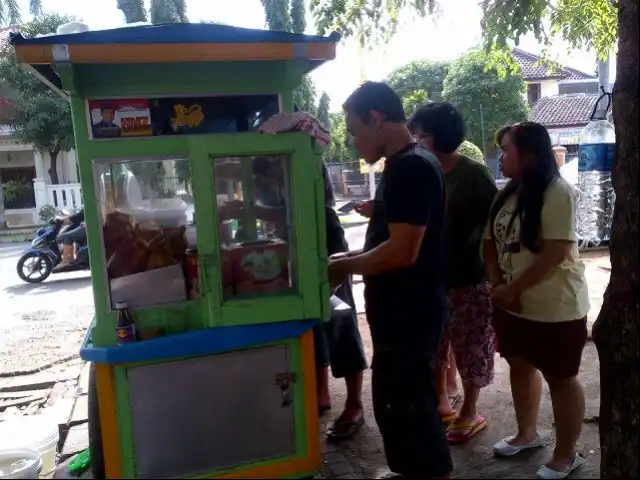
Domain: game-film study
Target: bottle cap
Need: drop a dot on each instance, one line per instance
(121, 305)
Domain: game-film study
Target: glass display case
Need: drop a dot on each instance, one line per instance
(256, 234)
(146, 211)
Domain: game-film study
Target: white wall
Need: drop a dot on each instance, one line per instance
(67, 172)
(548, 88)
(66, 166)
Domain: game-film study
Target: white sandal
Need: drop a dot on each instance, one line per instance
(551, 474)
(504, 449)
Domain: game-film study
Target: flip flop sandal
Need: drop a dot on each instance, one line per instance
(449, 418)
(344, 429)
(461, 433)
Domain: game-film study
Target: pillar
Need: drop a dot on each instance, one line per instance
(560, 152)
(40, 182)
(41, 171)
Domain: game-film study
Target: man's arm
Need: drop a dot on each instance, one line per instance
(410, 189)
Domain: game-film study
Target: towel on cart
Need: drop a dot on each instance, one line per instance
(297, 122)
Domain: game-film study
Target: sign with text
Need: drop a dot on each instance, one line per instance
(565, 136)
(120, 118)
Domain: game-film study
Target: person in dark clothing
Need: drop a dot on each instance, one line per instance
(468, 334)
(338, 342)
(402, 264)
(77, 233)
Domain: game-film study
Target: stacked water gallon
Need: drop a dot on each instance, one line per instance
(595, 191)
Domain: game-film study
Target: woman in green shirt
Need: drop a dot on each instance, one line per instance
(468, 333)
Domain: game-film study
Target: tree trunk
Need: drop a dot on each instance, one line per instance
(616, 332)
(53, 169)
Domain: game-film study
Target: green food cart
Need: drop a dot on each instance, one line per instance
(213, 235)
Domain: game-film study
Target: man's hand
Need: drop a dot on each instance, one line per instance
(365, 208)
(338, 271)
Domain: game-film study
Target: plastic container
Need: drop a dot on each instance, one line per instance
(19, 464)
(37, 432)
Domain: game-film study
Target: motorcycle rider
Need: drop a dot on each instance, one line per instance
(77, 233)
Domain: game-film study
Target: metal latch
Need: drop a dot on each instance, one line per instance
(284, 381)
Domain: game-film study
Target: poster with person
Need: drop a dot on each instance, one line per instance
(120, 118)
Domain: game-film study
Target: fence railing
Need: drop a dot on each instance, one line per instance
(347, 180)
(68, 195)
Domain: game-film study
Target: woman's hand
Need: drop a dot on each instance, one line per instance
(506, 297)
(365, 208)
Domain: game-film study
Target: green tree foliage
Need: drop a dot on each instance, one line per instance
(10, 13)
(160, 11)
(471, 151)
(371, 21)
(133, 10)
(591, 24)
(323, 110)
(424, 76)
(168, 11)
(341, 148)
(486, 99)
(414, 100)
(40, 117)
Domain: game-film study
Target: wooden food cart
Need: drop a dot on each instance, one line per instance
(221, 382)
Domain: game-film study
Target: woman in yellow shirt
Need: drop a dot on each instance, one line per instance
(540, 294)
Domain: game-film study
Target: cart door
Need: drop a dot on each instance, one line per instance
(262, 256)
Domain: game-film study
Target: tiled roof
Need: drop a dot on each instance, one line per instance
(534, 69)
(563, 110)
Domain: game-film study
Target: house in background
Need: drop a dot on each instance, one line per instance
(23, 164)
(561, 98)
(546, 80)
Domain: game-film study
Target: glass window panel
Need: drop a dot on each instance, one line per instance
(254, 213)
(148, 230)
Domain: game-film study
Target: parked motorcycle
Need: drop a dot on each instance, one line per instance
(45, 253)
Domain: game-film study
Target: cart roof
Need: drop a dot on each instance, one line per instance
(167, 43)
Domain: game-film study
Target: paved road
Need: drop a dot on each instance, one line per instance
(40, 323)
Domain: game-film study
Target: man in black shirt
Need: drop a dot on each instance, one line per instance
(402, 266)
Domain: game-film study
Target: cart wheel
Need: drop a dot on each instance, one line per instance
(95, 434)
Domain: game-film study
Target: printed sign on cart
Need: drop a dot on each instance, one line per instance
(116, 118)
(120, 118)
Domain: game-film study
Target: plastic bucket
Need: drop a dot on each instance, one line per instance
(19, 464)
(37, 432)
